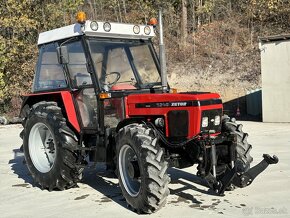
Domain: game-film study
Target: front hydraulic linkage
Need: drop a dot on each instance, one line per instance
(247, 178)
(243, 179)
(231, 176)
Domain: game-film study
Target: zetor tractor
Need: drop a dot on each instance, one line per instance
(100, 95)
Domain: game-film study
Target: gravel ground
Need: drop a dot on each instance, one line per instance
(100, 196)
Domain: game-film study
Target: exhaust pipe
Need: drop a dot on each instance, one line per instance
(162, 55)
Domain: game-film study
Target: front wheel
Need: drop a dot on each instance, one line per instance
(141, 168)
(243, 148)
(244, 158)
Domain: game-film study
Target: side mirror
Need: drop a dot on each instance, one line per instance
(62, 55)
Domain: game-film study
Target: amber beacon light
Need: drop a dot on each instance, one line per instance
(152, 21)
(81, 17)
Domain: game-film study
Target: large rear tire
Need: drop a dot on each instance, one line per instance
(141, 168)
(48, 145)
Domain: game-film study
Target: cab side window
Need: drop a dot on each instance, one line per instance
(77, 65)
(49, 73)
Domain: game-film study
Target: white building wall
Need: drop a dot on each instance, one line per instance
(275, 66)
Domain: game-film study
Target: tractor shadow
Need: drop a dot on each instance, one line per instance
(19, 168)
(107, 184)
(186, 179)
(97, 178)
(104, 182)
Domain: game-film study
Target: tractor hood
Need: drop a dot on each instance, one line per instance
(173, 100)
(179, 110)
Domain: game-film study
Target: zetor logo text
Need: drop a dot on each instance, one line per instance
(178, 104)
(171, 104)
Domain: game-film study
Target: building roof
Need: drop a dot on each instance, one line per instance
(275, 38)
(117, 30)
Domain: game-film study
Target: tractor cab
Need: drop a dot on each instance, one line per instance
(96, 61)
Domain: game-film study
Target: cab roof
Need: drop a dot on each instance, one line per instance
(98, 29)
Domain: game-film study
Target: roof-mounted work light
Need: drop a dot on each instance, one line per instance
(94, 25)
(136, 29)
(107, 26)
(147, 30)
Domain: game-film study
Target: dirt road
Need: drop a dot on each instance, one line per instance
(100, 196)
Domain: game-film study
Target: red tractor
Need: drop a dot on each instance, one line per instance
(100, 94)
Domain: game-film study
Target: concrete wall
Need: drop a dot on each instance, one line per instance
(275, 66)
(254, 102)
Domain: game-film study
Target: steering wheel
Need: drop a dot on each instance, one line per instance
(118, 76)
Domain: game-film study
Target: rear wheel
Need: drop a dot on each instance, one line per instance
(141, 168)
(49, 148)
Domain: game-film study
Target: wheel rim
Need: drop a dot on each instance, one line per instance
(129, 172)
(42, 148)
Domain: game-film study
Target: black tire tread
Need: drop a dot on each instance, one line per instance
(69, 173)
(243, 147)
(156, 178)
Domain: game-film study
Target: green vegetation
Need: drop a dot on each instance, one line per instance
(203, 36)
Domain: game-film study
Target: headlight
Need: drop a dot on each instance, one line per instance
(217, 120)
(94, 25)
(204, 122)
(159, 122)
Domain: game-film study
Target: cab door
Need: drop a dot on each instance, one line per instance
(82, 86)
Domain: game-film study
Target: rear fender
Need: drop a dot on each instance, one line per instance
(64, 100)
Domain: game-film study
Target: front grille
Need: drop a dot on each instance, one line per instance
(211, 115)
(178, 123)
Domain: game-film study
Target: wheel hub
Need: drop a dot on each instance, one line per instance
(50, 146)
(129, 170)
(42, 148)
(133, 169)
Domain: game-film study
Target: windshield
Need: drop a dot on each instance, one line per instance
(124, 65)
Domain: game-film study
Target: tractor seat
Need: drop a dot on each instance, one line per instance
(123, 87)
(82, 79)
